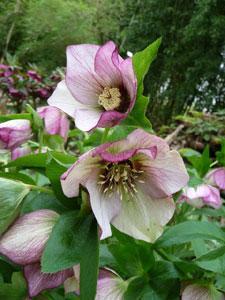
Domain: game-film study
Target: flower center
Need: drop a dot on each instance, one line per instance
(110, 98)
(120, 177)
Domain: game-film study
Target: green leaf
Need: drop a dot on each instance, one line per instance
(66, 244)
(12, 194)
(36, 200)
(15, 117)
(141, 63)
(18, 176)
(54, 170)
(37, 121)
(202, 163)
(16, 290)
(214, 254)
(89, 264)
(29, 161)
(188, 231)
(54, 141)
(220, 155)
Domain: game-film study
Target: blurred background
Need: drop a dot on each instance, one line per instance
(185, 83)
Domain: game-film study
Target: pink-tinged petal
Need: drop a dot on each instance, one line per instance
(13, 133)
(191, 196)
(19, 152)
(79, 173)
(38, 281)
(198, 292)
(104, 207)
(141, 139)
(87, 119)
(52, 118)
(110, 118)
(25, 240)
(106, 65)
(110, 286)
(63, 99)
(143, 217)
(164, 175)
(129, 80)
(64, 127)
(217, 177)
(81, 78)
(213, 198)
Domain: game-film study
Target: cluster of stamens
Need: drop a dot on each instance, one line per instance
(110, 98)
(121, 178)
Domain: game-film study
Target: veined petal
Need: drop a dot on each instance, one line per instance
(87, 119)
(52, 117)
(143, 217)
(25, 240)
(104, 207)
(110, 118)
(63, 99)
(198, 292)
(64, 126)
(164, 175)
(105, 66)
(81, 78)
(38, 281)
(129, 80)
(217, 177)
(79, 173)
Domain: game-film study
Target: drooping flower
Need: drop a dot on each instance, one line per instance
(100, 86)
(56, 122)
(130, 183)
(201, 292)
(216, 177)
(109, 285)
(13, 133)
(20, 151)
(202, 195)
(24, 243)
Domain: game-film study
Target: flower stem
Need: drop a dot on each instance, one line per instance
(40, 189)
(105, 134)
(40, 135)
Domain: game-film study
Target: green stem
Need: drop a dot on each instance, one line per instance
(85, 205)
(105, 134)
(40, 189)
(40, 135)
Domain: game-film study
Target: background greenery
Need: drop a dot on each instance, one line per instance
(190, 68)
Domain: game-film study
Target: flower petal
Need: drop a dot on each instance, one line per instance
(143, 217)
(219, 177)
(198, 292)
(63, 99)
(81, 78)
(110, 118)
(24, 242)
(52, 118)
(104, 207)
(106, 61)
(87, 119)
(79, 173)
(164, 175)
(129, 80)
(38, 281)
(213, 198)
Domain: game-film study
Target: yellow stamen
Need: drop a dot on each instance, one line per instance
(110, 98)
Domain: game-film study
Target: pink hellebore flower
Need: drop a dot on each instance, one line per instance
(100, 86)
(202, 195)
(24, 243)
(109, 285)
(216, 177)
(19, 152)
(56, 122)
(13, 133)
(130, 183)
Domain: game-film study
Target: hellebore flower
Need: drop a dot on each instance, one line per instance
(13, 133)
(130, 183)
(24, 243)
(19, 152)
(34, 75)
(200, 292)
(100, 86)
(216, 177)
(56, 122)
(109, 285)
(202, 195)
